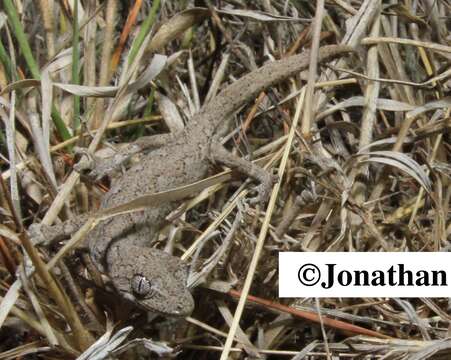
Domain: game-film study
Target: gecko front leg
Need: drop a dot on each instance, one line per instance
(219, 154)
(96, 167)
(41, 234)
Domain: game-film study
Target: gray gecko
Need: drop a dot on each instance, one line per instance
(151, 278)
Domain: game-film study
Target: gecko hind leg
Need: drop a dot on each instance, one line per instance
(219, 154)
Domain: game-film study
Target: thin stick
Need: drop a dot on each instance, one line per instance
(308, 114)
(262, 235)
(390, 40)
(309, 315)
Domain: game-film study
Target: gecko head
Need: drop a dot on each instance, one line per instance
(153, 280)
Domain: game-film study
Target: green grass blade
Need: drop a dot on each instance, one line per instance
(22, 40)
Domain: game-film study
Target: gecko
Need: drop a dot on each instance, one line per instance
(119, 246)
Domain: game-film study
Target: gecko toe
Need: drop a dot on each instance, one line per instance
(264, 190)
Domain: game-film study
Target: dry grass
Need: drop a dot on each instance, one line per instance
(361, 146)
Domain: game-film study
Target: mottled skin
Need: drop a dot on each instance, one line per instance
(119, 246)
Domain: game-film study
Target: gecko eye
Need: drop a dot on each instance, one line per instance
(141, 286)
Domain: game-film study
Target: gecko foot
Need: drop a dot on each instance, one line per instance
(264, 190)
(36, 234)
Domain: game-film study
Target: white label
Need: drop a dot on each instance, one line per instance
(364, 274)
